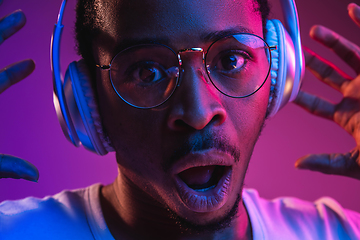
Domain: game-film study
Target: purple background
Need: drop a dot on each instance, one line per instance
(29, 128)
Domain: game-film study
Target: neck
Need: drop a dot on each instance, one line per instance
(132, 214)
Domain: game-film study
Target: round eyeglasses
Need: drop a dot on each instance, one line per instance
(146, 75)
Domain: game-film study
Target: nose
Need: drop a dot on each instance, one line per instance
(196, 103)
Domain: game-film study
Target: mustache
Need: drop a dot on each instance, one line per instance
(200, 143)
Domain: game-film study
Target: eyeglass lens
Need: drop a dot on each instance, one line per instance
(146, 75)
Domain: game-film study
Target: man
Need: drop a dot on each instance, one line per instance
(170, 156)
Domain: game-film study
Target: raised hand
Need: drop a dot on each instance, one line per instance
(346, 113)
(10, 166)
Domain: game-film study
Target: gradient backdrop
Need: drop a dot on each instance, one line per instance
(29, 127)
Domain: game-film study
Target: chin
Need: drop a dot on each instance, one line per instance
(203, 223)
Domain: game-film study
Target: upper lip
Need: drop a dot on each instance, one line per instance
(209, 157)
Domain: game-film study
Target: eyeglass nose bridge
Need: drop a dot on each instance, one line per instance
(200, 50)
(190, 50)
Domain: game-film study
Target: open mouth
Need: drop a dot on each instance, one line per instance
(204, 178)
(204, 188)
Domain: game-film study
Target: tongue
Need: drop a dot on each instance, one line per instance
(197, 175)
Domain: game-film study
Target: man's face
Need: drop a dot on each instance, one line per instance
(191, 153)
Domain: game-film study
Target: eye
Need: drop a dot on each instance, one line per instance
(147, 72)
(231, 61)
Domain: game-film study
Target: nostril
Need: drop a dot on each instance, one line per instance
(180, 124)
(218, 119)
(197, 123)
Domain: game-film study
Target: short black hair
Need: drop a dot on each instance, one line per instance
(87, 28)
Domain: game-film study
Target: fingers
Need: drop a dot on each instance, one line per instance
(338, 164)
(325, 71)
(15, 72)
(346, 50)
(10, 24)
(13, 167)
(315, 105)
(354, 13)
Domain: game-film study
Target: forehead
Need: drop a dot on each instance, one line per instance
(180, 22)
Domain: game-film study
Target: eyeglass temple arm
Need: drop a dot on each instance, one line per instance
(272, 48)
(107, 67)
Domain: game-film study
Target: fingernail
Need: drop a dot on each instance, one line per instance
(356, 8)
(31, 178)
(316, 31)
(17, 14)
(31, 173)
(13, 17)
(350, 6)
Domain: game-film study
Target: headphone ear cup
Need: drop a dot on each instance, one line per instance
(82, 105)
(282, 66)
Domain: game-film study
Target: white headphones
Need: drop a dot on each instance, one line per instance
(76, 106)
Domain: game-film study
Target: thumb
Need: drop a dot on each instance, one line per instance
(354, 12)
(338, 164)
(13, 167)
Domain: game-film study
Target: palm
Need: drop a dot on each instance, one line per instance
(347, 113)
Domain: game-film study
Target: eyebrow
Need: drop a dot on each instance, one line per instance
(213, 36)
(205, 37)
(129, 42)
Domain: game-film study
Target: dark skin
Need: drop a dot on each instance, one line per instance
(131, 186)
(137, 200)
(11, 166)
(144, 190)
(346, 113)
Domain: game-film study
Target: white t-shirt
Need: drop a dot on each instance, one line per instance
(292, 218)
(77, 215)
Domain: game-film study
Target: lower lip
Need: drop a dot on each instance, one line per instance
(208, 200)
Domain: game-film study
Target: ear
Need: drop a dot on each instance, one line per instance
(83, 108)
(282, 66)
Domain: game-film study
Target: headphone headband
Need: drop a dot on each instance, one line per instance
(61, 108)
(293, 27)
(75, 103)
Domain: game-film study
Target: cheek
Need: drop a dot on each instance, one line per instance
(248, 116)
(128, 128)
